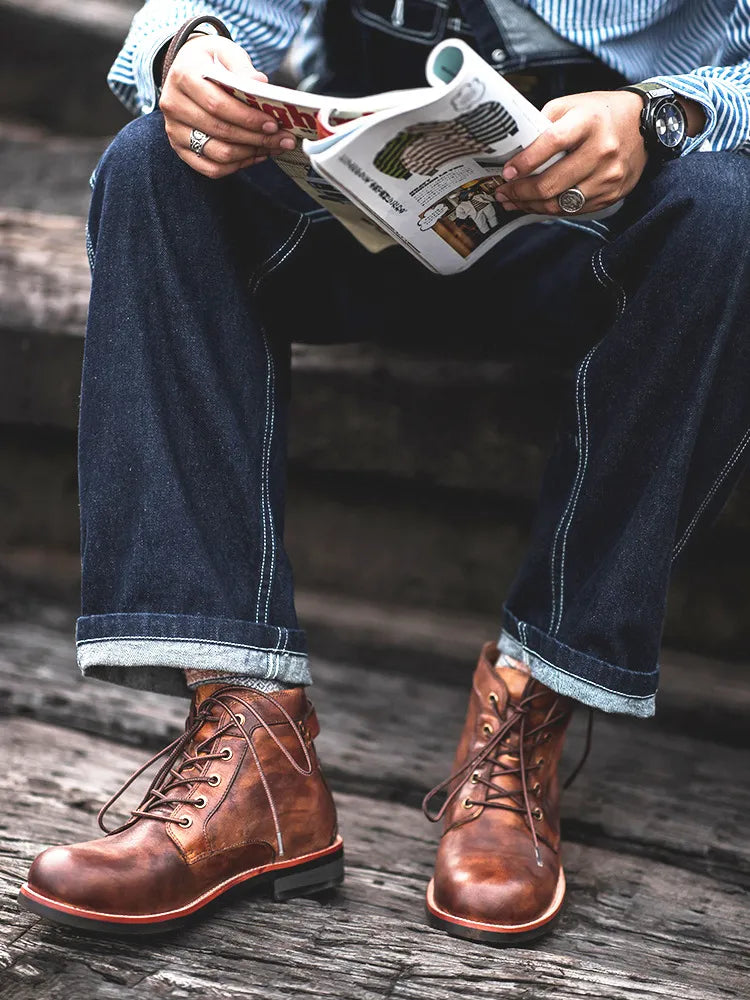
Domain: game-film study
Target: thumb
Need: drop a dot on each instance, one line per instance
(554, 110)
(234, 58)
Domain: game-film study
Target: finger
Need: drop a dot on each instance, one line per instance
(561, 136)
(216, 171)
(236, 59)
(596, 194)
(190, 115)
(564, 174)
(220, 105)
(215, 149)
(554, 110)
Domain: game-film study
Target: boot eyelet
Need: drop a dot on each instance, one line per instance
(492, 698)
(475, 777)
(185, 822)
(487, 729)
(537, 813)
(546, 737)
(241, 718)
(536, 789)
(214, 780)
(540, 762)
(201, 802)
(467, 804)
(226, 753)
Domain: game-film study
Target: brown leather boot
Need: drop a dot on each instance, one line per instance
(239, 800)
(498, 876)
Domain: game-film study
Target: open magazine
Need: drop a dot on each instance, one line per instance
(416, 167)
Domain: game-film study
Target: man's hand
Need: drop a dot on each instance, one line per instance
(606, 155)
(240, 136)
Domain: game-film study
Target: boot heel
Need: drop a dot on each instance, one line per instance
(309, 879)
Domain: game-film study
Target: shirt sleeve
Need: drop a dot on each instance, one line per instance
(264, 28)
(722, 89)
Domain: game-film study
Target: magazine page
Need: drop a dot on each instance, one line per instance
(429, 174)
(298, 112)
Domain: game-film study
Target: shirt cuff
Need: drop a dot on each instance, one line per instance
(144, 69)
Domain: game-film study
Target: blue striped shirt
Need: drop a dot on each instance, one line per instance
(700, 48)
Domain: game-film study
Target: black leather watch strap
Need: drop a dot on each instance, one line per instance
(184, 33)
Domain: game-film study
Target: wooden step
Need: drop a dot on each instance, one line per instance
(633, 928)
(646, 791)
(56, 55)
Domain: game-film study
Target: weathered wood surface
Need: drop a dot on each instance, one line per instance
(645, 791)
(44, 280)
(688, 930)
(45, 172)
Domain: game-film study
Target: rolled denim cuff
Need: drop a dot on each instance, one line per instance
(150, 651)
(578, 675)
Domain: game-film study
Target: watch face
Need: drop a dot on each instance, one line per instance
(669, 124)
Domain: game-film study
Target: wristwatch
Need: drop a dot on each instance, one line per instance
(663, 120)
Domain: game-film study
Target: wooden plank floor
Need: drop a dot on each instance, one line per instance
(657, 854)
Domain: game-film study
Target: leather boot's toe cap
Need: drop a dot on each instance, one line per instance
(506, 891)
(57, 874)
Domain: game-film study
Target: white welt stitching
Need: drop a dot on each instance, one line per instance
(731, 462)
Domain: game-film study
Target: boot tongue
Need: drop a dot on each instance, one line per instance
(206, 691)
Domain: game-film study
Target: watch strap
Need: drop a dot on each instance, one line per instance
(648, 90)
(185, 32)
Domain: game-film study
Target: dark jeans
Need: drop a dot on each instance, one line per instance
(198, 287)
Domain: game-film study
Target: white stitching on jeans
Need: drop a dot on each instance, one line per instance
(731, 462)
(255, 282)
(582, 420)
(622, 299)
(268, 525)
(578, 491)
(272, 566)
(89, 248)
(260, 274)
(179, 638)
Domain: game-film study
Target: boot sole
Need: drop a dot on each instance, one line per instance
(500, 935)
(304, 876)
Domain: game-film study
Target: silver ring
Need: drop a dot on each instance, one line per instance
(198, 140)
(571, 201)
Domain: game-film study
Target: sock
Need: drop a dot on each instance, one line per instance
(195, 678)
(507, 661)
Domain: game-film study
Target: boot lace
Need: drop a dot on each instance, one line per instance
(513, 741)
(181, 758)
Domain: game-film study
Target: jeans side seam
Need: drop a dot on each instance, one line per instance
(272, 404)
(730, 463)
(255, 283)
(580, 393)
(266, 268)
(90, 248)
(584, 451)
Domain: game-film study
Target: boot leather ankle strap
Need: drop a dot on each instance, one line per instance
(184, 33)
